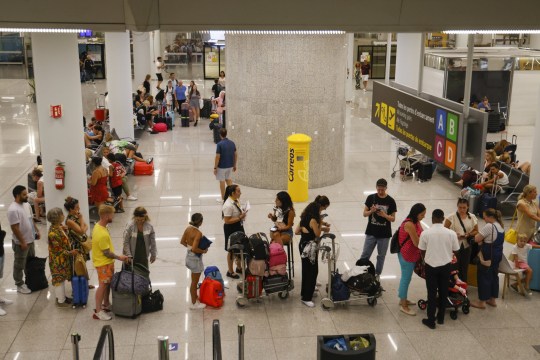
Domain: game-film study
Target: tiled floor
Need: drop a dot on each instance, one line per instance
(275, 329)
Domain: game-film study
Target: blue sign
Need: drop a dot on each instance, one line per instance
(173, 347)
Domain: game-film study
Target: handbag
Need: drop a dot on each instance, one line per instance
(79, 266)
(201, 104)
(83, 240)
(470, 239)
(153, 301)
(511, 234)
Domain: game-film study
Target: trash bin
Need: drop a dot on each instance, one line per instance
(298, 167)
(366, 353)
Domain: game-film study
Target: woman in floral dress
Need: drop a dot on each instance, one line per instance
(60, 256)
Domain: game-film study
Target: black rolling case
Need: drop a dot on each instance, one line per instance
(206, 111)
(425, 171)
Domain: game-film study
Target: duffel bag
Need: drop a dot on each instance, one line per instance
(128, 281)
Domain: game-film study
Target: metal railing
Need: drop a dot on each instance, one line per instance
(216, 341)
(106, 342)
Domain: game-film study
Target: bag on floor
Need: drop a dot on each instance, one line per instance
(152, 302)
(340, 292)
(35, 273)
(278, 256)
(79, 285)
(257, 267)
(160, 127)
(258, 247)
(213, 273)
(142, 168)
(211, 293)
(129, 281)
(126, 304)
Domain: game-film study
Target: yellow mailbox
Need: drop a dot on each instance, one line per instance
(298, 167)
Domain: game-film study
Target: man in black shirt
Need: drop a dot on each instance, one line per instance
(380, 208)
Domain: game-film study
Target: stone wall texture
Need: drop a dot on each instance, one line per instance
(278, 85)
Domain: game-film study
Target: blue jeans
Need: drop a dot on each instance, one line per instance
(382, 248)
(407, 269)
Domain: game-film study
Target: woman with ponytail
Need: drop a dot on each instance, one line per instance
(491, 239)
(191, 239)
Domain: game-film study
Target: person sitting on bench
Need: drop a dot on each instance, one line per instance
(36, 198)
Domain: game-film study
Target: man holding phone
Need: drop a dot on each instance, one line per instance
(380, 209)
(24, 234)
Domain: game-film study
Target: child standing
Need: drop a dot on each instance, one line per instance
(520, 252)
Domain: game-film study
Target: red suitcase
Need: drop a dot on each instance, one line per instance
(160, 127)
(142, 168)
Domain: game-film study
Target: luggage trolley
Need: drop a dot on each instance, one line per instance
(408, 162)
(272, 284)
(329, 253)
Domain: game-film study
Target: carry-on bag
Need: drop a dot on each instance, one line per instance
(211, 293)
(126, 304)
(135, 280)
(35, 273)
(79, 285)
(153, 301)
(213, 273)
(142, 168)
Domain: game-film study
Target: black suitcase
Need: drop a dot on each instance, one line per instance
(35, 273)
(425, 171)
(206, 111)
(215, 130)
(486, 201)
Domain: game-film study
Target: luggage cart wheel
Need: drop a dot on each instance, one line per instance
(283, 294)
(241, 301)
(393, 175)
(372, 301)
(422, 304)
(327, 304)
(453, 314)
(465, 309)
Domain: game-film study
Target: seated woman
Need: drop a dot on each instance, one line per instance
(96, 139)
(283, 218)
(36, 198)
(470, 176)
(127, 148)
(495, 177)
(98, 183)
(525, 166)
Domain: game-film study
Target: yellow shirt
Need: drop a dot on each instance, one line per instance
(101, 240)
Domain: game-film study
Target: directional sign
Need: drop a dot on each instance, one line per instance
(173, 347)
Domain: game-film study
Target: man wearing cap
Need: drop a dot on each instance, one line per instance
(380, 209)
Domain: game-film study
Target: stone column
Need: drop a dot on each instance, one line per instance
(351, 51)
(119, 83)
(142, 59)
(56, 71)
(280, 84)
(461, 40)
(409, 48)
(535, 159)
(534, 41)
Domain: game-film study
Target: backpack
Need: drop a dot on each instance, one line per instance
(213, 272)
(364, 283)
(278, 256)
(340, 292)
(35, 273)
(211, 293)
(257, 247)
(257, 267)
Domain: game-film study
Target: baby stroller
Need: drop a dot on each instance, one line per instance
(457, 290)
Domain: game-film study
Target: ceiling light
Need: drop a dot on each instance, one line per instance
(492, 31)
(34, 30)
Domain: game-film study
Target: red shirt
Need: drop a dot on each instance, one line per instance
(117, 174)
(408, 250)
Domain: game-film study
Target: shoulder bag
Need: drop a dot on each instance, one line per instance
(470, 239)
(511, 234)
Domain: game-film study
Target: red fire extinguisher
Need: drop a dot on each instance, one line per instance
(59, 175)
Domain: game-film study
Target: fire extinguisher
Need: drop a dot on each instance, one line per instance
(59, 175)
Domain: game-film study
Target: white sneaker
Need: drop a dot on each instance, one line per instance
(197, 306)
(5, 301)
(308, 303)
(102, 315)
(2, 312)
(132, 198)
(23, 289)
(219, 200)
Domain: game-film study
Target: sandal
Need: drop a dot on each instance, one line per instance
(491, 303)
(233, 275)
(477, 305)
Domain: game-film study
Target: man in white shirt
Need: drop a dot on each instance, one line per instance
(438, 245)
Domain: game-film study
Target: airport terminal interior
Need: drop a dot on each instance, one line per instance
(183, 183)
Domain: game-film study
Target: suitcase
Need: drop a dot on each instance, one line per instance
(275, 283)
(206, 111)
(142, 168)
(35, 273)
(533, 259)
(425, 171)
(169, 119)
(160, 127)
(486, 201)
(126, 304)
(79, 284)
(473, 203)
(215, 130)
(254, 286)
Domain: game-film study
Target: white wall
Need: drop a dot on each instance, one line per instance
(433, 81)
(409, 46)
(524, 98)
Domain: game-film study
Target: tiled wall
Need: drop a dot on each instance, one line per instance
(280, 84)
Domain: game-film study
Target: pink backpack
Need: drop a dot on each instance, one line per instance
(277, 255)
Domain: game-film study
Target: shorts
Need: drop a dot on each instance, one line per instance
(159, 76)
(117, 191)
(105, 273)
(365, 77)
(523, 265)
(194, 263)
(224, 174)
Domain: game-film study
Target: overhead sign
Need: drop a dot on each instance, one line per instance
(425, 126)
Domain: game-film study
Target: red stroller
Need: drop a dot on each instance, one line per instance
(457, 290)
